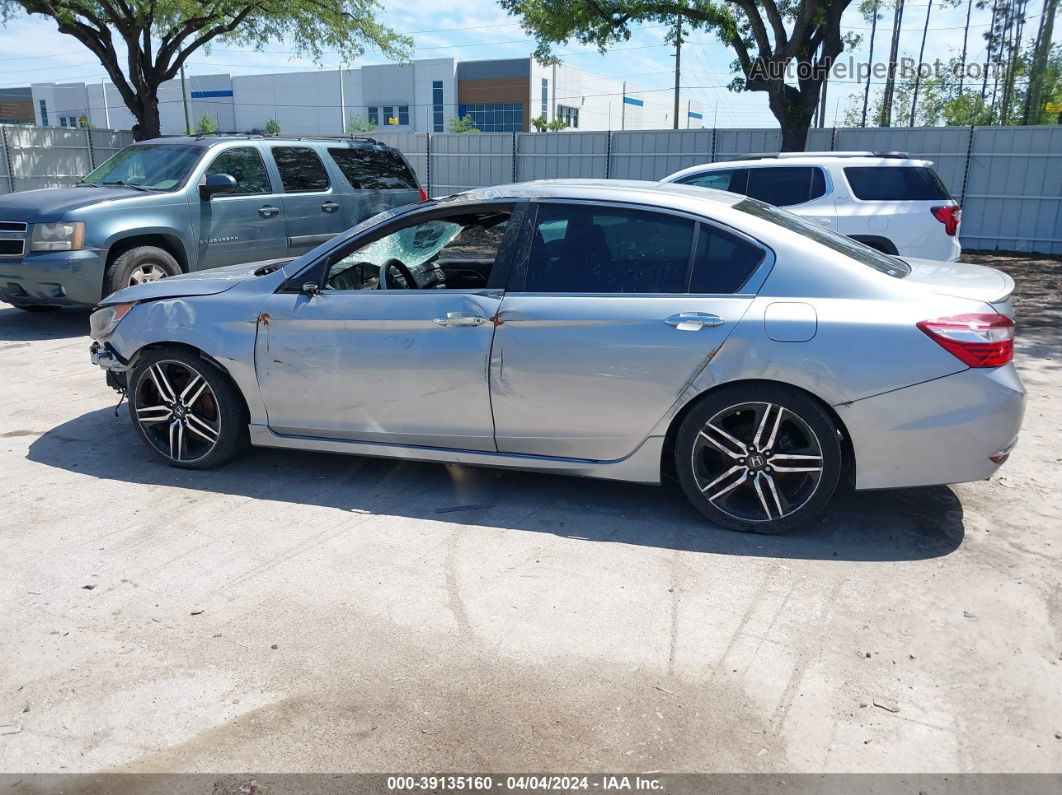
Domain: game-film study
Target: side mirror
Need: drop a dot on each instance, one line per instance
(216, 184)
(311, 289)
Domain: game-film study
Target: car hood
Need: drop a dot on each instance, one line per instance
(961, 279)
(51, 204)
(207, 282)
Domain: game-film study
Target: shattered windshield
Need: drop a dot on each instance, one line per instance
(413, 245)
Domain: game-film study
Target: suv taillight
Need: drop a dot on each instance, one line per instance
(423, 194)
(976, 340)
(949, 215)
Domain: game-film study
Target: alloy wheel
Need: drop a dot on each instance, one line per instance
(177, 411)
(148, 272)
(757, 462)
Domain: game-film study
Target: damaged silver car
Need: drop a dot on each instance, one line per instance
(623, 330)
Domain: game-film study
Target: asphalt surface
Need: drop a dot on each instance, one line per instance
(308, 612)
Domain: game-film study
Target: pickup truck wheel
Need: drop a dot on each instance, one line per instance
(137, 266)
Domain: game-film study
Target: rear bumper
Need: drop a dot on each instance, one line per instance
(60, 278)
(941, 431)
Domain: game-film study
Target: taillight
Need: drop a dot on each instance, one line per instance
(976, 340)
(423, 194)
(949, 215)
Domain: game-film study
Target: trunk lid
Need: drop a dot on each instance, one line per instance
(963, 280)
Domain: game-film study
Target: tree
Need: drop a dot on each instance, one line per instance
(207, 125)
(156, 37)
(462, 124)
(767, 36)
(272, 127)
(358, 124)
(1038, 71)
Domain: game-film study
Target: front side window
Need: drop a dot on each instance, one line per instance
(301, 169)
(245, 165)
(373, 169)
(451, 253)
(884, 263)
(784, 186)
(587, 249)
(732, 180)
(156, 167)
(896, 183)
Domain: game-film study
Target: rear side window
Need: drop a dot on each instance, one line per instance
(300, 169)
(732, 180)
(373, 169)
(895, 183)
(786, 186)
(583, 249)
(244, 164)
(723, 261)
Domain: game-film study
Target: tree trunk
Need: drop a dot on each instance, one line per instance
(148, 123)
(885, 119)
(794, 110)
(1039, 64)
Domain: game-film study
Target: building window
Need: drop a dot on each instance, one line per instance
(403, 115)
(569, 115)
(374, 115)
(495, 116)
(44, 113)
(437, 106)
(545, 98)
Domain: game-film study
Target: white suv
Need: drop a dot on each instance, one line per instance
(888, 201)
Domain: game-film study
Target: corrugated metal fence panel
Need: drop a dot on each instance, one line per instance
(653, 154)
(575, 155)
(945, 146)
(107, 143)
(1014, 190)
(820, 139)
(736, 144)
(47, 157)
(461, 161)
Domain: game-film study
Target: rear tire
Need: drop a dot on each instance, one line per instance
(137, 266)
(759, 458)
(186, 410)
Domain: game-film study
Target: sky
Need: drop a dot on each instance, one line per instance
(33, 51)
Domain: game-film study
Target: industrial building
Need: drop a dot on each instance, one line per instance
(420, 96)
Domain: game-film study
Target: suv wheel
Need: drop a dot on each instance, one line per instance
(138, 266)
(761, 459)
(186, 411)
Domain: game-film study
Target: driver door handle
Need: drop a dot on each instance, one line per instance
(458, 319)
(329, 207)
(694, 321)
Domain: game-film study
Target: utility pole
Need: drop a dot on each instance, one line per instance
(918, 67)
(822, 95)
(678, 66)
(342, 103)
(870, 64)
(890, 82)
(106, 107)
(965, 38)
(1039, 64)
(184, 98)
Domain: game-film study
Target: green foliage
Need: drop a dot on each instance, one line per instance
(358, 124)
(464, 124)
(207, 125)
(540, 124)
(272, 127)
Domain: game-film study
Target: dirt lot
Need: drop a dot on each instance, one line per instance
(301, 612)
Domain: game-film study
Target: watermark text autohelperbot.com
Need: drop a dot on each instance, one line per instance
(848, 68)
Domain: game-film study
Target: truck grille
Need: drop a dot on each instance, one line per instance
(13, 238)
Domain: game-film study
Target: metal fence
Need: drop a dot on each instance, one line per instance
(1009, 179)
(53, 157)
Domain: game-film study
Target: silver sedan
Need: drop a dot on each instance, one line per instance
(623, 330)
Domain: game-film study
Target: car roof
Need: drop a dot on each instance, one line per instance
(207, 141)
(879, 161)
(661, 194)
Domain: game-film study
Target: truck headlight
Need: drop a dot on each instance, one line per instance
(61, 236)
(103, 321)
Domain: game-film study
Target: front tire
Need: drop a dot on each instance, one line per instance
(138, 266)
(758, 458)
(186, 411)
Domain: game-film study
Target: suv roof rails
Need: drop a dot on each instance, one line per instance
(787, 155)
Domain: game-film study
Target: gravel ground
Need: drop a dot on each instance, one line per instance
(304, 612)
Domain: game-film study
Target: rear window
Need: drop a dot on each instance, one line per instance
(374, 169)
(895, 183)
(884, 263)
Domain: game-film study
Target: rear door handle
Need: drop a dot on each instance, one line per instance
(694, 321)
(268, 211)
(329, 207)
(458, 319)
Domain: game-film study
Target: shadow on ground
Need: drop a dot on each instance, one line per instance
(910, 524)
(17, 325)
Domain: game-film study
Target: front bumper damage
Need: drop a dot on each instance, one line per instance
(115, 366)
